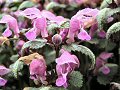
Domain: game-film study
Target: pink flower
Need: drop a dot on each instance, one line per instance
(47, 14)
(31, 34)
(83, 19)
(105, 55)
(40, 25)
(40, 20)
(19, 44)
(38, 69)
(11, 25)
(74, 27)
(4, 70)
(2, 82)
(30, 13)
(102, 34)
(105, 70)
(65, 64)
(83, 35)
(101, 60)
(93, 29)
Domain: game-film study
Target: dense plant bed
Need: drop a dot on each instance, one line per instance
(59, 45)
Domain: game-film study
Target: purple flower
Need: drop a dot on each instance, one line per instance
(4, 70)
(2, 82)
(83, 35)
(105, 70)
(101, 60)
(11, 25)
(65, 64)
(64, 33)
(38, 70)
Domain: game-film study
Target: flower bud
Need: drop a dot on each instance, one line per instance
(57, 39)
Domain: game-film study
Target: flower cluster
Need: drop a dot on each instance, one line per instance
(53, 43)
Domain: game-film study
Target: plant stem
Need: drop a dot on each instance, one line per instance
(57, 51)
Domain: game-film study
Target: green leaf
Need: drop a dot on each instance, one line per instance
(113, 68)
(52, 28)
(26, 4)
(94, 41)
(14, 57)
(83, 50)
(105, 3)
(16, 67)
(65, 24)
(53, 5)
(36, 44)
(44, 88)
(113, 29)
(76, 79)
(102, 79)
(49, 54)
(102, 17)
(104, 14)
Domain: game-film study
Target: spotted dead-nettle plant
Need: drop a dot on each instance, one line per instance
(59, 44)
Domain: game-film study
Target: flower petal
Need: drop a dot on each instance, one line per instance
(102, 34)
(31, 13)
(83, 35)
(105, 55)
(63, 59)
(31, 34)
(2, 82)
(4, 70)
(105, 70)
(41, 24)
(7, 32)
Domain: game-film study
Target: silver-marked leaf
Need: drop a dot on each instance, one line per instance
(53, 5)
(36, 44)
(76, 79)
(26, 4)
(113, 29)
(16, 67)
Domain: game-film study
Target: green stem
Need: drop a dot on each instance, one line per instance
(57, 51)
(119, 55)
